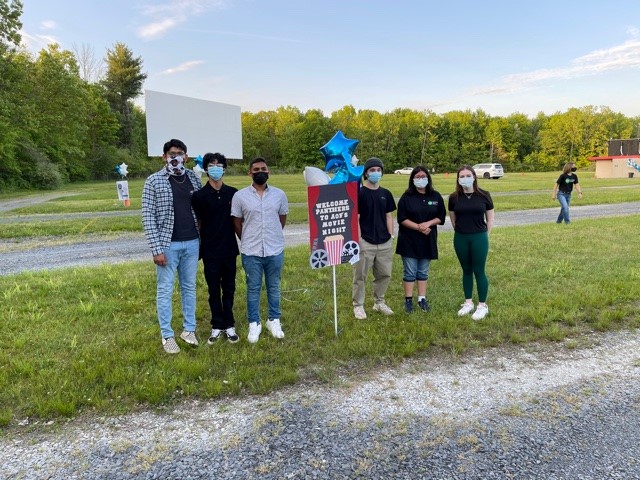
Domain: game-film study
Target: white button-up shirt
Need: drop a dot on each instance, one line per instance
(262, 234)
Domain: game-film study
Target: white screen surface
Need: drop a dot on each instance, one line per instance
(204, 126)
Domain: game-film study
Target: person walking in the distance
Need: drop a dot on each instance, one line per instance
(563, 188)
(420, 211)
(375, 205)
(472, 213)
(259, 215)
(218, 245)
(171, 232)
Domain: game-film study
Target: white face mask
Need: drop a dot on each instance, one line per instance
(420, 182)
(465, 182)
(178, 168)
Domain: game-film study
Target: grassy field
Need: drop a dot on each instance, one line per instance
(513, 192)
(86, 340)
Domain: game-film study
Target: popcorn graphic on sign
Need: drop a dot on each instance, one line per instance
(333, 245)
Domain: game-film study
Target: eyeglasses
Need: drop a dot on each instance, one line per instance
(176, 154)
(423, 176)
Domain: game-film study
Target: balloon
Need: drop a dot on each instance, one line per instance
(198, 161)
(122, 169)
(338, 155)
(314, 176)
(198, 170)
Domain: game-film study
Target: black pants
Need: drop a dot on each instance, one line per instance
(221, 277)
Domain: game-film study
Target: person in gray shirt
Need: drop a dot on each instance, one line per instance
(256, 211)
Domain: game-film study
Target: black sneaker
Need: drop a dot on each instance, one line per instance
(231, 334)
(424, 305)
(408, 305)
(215, 335)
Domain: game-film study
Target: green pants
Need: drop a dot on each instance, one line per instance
(472, 250)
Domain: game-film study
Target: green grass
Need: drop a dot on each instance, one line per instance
(513, 192)
(86, 340)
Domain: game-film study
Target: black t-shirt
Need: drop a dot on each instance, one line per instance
(566, 181)
(184, 227)
(373, 206)
(470, 211)
(213, 210)
(419, 208)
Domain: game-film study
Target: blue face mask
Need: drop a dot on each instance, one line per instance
(466, 181)
(374, 177)
(215, 172)
(420, 182)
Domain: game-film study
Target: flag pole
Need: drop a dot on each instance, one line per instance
(335, 301)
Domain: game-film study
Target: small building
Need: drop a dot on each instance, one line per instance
(622, 160)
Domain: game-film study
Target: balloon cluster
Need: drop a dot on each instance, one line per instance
(122, 169)
(339, 159)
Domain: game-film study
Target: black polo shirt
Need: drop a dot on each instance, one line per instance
(213, 210)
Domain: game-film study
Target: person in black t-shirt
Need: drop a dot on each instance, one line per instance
(471, 212)
(563, 188)
(375, 205)
(420, 210)
(171, 232)
(218, 245)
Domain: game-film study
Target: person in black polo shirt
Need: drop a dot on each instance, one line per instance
(375, 205)
(218, 245)
(471, 212)
(420, 210)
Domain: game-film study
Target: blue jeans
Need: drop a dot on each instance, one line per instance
(415, 269)
(254, 268)
(565, 200)
(182, 257)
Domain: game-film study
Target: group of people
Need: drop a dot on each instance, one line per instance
(185, 221)
(420, 210)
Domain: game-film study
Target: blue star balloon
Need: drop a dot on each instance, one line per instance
(198, 160)
(121, 169)
(337, 154)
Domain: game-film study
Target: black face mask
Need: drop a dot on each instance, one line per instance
(574, 169)
(260, 178)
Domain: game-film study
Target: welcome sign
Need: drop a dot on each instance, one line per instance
(333, 224)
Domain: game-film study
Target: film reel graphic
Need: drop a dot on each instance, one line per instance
(319, 258)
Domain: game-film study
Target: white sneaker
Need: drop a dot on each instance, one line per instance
(382, 308)
(216, 333)
(465, 309)
(274, 327)
(254, 332)
(359, 313)
(190, 338)
(231, 334)
(170, 345)
(480, 312)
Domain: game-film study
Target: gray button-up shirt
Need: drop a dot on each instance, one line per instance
(262, 234)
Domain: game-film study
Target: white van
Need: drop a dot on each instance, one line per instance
(488, 170)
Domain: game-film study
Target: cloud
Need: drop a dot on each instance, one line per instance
(37, 42)
(48, 25)
(619, 57)
(169, 15)
(182, 67)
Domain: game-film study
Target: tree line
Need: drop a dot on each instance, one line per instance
(67, 116)
(291, 139)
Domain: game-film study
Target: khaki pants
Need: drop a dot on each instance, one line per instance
(380, 259)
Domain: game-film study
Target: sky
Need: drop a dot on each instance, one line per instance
(499, 56)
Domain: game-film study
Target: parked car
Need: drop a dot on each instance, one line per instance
(404, 171)
(488, 170)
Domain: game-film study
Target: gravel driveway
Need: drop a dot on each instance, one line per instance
(16, 257)
(532, 412)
